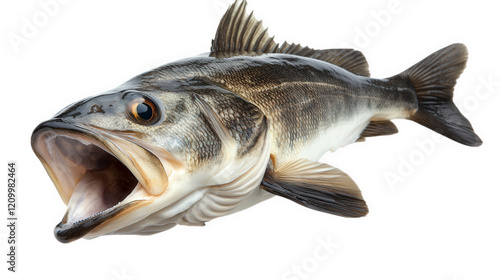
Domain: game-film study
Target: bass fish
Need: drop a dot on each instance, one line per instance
(214, 134)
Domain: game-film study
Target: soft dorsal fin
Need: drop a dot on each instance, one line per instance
(239, 33)
(349, 59)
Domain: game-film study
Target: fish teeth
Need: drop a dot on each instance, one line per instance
(93, 216)
(136, 189)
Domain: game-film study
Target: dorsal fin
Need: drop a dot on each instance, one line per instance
(241, 33)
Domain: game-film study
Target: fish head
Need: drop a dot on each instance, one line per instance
(140, 161)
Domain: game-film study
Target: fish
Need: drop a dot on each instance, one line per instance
(214, 134)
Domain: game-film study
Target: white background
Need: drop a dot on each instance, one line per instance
(441, 221)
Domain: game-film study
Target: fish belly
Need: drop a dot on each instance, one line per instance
(339, 134)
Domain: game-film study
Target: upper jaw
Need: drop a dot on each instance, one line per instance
(99, 175)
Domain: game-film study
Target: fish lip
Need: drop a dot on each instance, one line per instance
(59, 126)
(68, 232)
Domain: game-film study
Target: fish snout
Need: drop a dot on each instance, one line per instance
(101, 175)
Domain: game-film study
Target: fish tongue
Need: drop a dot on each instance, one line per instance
(87, 198)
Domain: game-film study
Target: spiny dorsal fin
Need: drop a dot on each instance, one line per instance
(241, 33)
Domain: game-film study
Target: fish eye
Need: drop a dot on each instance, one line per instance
(143, 110)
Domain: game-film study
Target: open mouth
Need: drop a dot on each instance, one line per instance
(102, 181)
(91, 179)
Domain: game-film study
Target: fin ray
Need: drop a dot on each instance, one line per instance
(318, 186)
(434, 79)
(379, 128)
(241, 33)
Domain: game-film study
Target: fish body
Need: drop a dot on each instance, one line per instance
(211, 135)
(335, 105)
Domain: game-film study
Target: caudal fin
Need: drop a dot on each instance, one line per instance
(433, 79)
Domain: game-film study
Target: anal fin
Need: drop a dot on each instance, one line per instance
(378, 128)
(318, 186)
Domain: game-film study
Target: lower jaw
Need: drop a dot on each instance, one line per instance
(66, 233)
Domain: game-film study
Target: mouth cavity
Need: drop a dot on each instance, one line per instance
(90, 179)
(104, 183)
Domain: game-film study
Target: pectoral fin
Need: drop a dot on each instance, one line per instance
(318, 186)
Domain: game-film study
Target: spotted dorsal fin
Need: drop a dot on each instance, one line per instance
(241, 33)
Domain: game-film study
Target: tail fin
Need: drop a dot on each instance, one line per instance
(433, 79)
